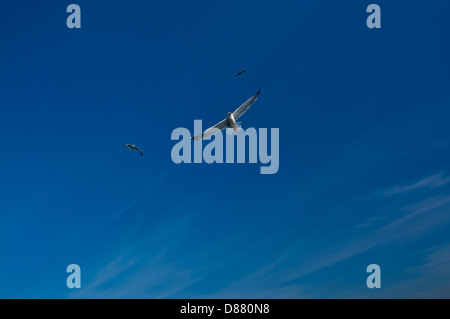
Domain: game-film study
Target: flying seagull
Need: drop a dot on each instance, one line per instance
(241, 72)
(134, 147)
(230, 120)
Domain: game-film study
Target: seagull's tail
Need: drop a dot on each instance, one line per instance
(239, 126)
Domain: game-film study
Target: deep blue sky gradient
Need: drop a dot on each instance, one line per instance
(364, 149)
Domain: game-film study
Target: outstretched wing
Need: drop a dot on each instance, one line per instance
(245, 106)
(138, 149)
(212, 130)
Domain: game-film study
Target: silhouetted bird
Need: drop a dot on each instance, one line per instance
(242, 72)
(134, 147)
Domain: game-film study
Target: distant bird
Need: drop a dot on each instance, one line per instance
(134, 147)
(242, 72)
(230, 121)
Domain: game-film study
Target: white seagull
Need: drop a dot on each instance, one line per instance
(134, 147)
(230, 120)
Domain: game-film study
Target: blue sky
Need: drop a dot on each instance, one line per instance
(364, 150)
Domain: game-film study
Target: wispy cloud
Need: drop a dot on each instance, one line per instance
(141, 264)
(368, 222)
(166, 269)
(431, 275)
(437, 261)
(108, 273)
(135, 199)
(429, 182)
(409, 223)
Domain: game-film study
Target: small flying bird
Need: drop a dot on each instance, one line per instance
(230, 120)
(134, 147)
(241, 72)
